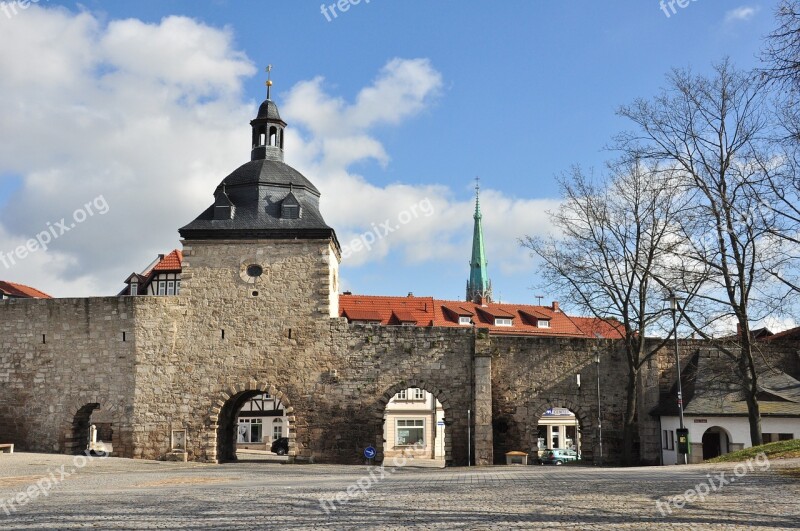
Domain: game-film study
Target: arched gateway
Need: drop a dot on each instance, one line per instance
(221, 446)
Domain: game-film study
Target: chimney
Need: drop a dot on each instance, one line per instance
(410, 293)
(555, 306)
(347, 293)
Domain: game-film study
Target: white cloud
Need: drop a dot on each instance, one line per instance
(148, 115)
(152, 116)
(741, 14)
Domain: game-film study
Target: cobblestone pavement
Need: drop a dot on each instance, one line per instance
(115, 493)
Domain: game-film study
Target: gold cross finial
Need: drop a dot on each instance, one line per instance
(269, 80)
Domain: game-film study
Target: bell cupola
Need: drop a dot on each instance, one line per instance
(268, 128)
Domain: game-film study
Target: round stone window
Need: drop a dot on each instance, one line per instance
(254, 271)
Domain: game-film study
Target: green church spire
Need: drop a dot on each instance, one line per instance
(479, 287)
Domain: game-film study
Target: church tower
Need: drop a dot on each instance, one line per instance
(264, 237)
(479, 287)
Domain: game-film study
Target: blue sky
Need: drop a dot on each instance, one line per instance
(514, 92)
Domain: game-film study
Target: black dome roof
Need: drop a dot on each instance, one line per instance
(269, 172)
(268, 111)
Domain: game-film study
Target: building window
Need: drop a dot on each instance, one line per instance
(669, 440)
(541, 323)
(464, 320)
(410, 432)
(402, 395)
(162, 287)
(171, 287)
(290, 212)
(419, 394)
(177, 287)
(502, 322)
(250, 431)
(134, 288)
(277, 429)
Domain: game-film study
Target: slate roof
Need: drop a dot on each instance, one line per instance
(256, 190)
(21, 291)
(711, 388)
(427, 311)
(268, 110)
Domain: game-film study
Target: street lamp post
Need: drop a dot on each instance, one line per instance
(673, 300)
(599, 413)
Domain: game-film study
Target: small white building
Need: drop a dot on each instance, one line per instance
(261, 421)
(559, 428)
(716, 414)
(414, 425)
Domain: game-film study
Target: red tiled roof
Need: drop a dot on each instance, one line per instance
(427, 311)
(376, 308)
(366, 314)
(403, 316)
(171, 262)
(19, 290)
(594, 327)
(791, 334)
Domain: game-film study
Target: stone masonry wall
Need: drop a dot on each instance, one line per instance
(188, 362)
(532, 374)
(57, 356)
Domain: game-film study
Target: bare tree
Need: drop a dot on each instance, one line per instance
(613, 237)
(782, 76)
(712, 131)
(782, 54)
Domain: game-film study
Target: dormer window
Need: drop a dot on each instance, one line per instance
(134, 288)
(290, 212)
(499, 321)
(543, 323)
(464, 320)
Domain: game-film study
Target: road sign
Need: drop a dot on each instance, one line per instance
(369, 452)
(440, 423)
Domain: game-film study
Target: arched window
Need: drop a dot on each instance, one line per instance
(273, 136)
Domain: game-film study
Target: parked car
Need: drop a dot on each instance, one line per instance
(557, 456)
(280, 446)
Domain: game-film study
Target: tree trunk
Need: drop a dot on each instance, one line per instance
(629, 427)
(750, 388)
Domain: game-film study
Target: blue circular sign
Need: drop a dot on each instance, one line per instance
(369, 452)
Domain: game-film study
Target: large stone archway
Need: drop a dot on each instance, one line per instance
(589, 437)
(220, 446)
(437, 394)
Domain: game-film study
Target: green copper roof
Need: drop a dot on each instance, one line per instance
(479, 283)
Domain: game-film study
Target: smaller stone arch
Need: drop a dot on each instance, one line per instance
(220, 444)
(437, 394)
(75, 426)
